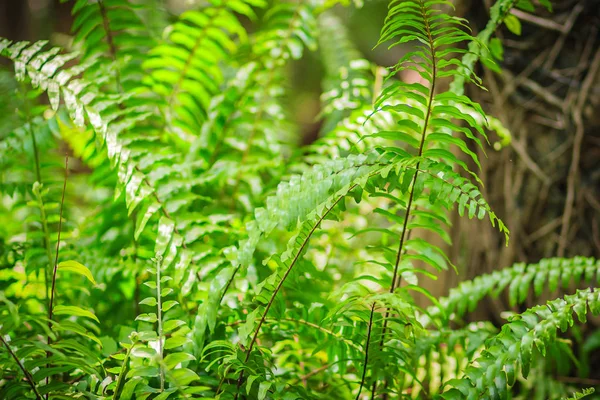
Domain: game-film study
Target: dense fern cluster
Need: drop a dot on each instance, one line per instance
(190, 248)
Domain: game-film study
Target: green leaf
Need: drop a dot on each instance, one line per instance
(163, 238)
(74, 311)
(172, 324)
(74, 266)
(263, 389)
(173, 359)
(150, 317)
(176, 341)
(513, 24)
(496, 49)
(149, 301)
(167, 305)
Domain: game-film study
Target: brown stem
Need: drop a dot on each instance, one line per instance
(278, 288)
(62, 203)
(111, 43)
(367, 345)
(396, 280)
(52, 290)
(22, 367)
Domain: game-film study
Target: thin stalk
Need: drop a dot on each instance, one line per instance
(396, 280)
(120, 379)
(52, 290)
(160, 327)
(38, 176)
(111, 43)
(278, 288)
(62, 204)
(367, 345)
(22, 367)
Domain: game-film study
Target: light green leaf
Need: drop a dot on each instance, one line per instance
(74, 266)
(74, 311)
(513, 24)
(173, 359)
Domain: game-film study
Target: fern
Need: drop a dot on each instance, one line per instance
(111, 30)
(186, 71)
(227, 261)
(520, 278)
(513, 348)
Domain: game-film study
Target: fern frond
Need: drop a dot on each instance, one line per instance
(348, 83)
(111, 33)
(476, 50)
(249, 114)
(126, 153)
(428, 130)
(443, 355)
(549, 273)
(186, 69)
(312, 193)
(491, 374)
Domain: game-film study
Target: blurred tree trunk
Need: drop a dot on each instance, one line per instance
(14, 19)
(545, 185)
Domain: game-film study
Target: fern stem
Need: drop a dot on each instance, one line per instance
(28, 376)
(161, 369)
(367, 345)
(55, 269)
(62, 204)
(279, 286)
(38, 175)
(111, 44)
(188, 62)
(396, 280)
(122, 373)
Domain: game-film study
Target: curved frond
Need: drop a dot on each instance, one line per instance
(186, 70)
(513, 350)
(550, 274)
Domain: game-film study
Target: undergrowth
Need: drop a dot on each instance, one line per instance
(190, 248)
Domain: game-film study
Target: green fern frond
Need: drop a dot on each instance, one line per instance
(186, 69)
(249, 114)
(549, 273)
(580, 395)
(349, 81)
(111, 30)
(477, 50)
(127, 154)
(428, 130)
(512, 350)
